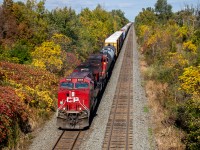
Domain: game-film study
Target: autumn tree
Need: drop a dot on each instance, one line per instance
(119, 19)
(8, 24)
(146, 17)
(48, 57)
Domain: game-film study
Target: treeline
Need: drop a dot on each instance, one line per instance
(27, 28)
(37, 46)
(170, 43)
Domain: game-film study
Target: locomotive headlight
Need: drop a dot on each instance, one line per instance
(80, 108)
(61, 102)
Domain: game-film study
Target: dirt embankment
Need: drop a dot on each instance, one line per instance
(167, 136)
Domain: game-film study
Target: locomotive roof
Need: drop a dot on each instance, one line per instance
(96, 56)
(78, 75)
(114, 37)
(88, 65)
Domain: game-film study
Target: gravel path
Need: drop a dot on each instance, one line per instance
(94, 137)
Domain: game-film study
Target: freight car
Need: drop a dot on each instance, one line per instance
(115, 40)
(78, 93)
(125, 30)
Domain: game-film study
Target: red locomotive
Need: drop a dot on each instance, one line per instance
(78, 93)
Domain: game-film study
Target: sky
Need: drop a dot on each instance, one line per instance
(131, 8)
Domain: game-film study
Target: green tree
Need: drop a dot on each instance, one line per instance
(163, 9)
(63, 21)
(21, 52)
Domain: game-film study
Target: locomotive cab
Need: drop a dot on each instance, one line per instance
(75, 100)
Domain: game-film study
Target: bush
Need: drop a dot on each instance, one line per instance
(189, 119)
(12, 115)
(23, 89)
(21, 52)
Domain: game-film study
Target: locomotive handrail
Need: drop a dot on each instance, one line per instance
(62, 105)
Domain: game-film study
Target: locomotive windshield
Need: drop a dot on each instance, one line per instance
(67, 85)
(81, 85)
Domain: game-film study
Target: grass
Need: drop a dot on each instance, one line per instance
(146, 109)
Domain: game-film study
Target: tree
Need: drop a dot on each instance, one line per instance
(163, 9)
(48, 57)
(122, 20)
(147, 18)
(63, 21)
(8, 24)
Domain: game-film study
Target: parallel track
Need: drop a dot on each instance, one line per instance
(119, 128)
(69, 140)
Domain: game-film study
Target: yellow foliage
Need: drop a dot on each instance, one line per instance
(175, 59)
(152, 39)
(144, 30)
(60, 39)
(47, 56)
(39, 63)
(13, 83)
(20, 94)
(41, 96)
(191, 80)
(182, 32)
(190, 46)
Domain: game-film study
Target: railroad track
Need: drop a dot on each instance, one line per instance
(119, 127)
(69, 140)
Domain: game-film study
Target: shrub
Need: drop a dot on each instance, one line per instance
(12, 114)
(189, 119)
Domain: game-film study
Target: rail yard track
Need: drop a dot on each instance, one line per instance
(119, 127)
(69, 140)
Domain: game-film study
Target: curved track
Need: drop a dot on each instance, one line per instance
(119, 128)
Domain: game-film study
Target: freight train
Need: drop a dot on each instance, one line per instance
(78, 93)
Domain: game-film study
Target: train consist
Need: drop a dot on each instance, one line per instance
(78, 93)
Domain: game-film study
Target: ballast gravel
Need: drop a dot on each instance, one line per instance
(46, 137)
(94, 137)
(142, 136)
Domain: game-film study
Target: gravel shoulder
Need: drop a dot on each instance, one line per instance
(47, 136)
(142, 132)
